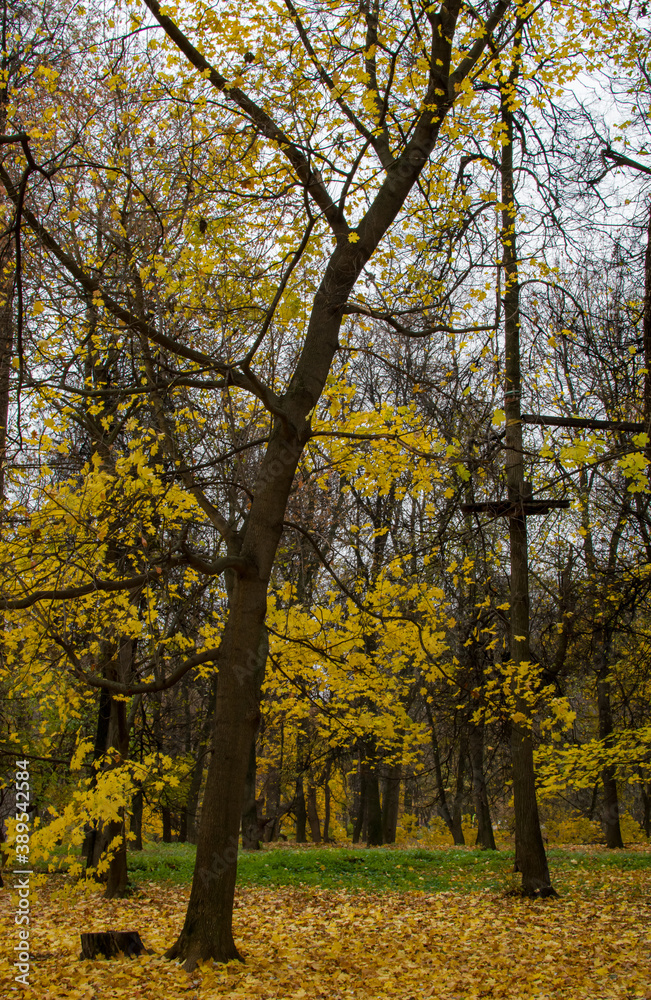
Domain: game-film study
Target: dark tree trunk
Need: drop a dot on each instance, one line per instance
(273, 805)
(459, 796)
(136, 820)
(610, 812)
(373, 808)
(390, 804)
(166, 814)
(443, 807)
(409, 796)
(250, 817)
(251, 827)
(361, 806)
(646, 809)
(192, 805)
(326, 793)
(112, 732)
(485, 835)
(531, 859)
(300, 811)
(202, 752)
(208, 928)
(312, 812)
(183, 825)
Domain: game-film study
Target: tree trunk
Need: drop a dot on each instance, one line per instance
(361, 810)
(390, 804)
(646, 809)
(203, 750)
(530, 849)
(112, 732)
(443, 808)
(301, 812)
(312, 812)
(459, 796)
(485, 835)
(610, 813)
(192, 805)
(183, 825)
(373, 808)
(208, 928)
(327, 796)
(166, 814)
(250, 818)
(136, 820)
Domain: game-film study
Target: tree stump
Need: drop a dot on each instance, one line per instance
(111, 943)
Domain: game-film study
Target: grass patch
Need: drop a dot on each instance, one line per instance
(390, 869)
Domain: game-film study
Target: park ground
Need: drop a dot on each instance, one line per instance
(334, 924)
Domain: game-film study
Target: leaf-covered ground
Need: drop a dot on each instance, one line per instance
(314, 942)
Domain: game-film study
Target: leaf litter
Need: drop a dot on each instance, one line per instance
(336, 944)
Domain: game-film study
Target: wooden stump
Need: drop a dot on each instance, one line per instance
(111, 943)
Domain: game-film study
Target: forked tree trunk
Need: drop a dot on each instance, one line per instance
(207, 932)
(531, 859)
(485, 835)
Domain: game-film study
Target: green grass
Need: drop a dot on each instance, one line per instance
(382, 869)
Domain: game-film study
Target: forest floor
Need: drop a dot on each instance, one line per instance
(342, 923)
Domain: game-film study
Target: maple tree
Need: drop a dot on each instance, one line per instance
(200, 485)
